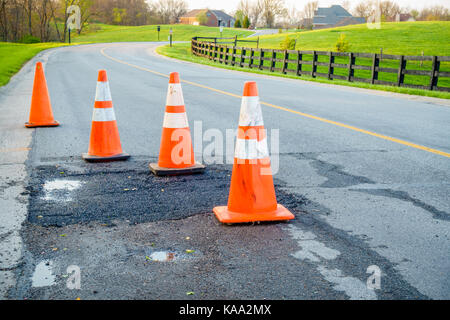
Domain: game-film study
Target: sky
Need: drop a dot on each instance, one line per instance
(230, 5)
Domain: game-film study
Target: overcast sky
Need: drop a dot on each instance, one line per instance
(230, 5)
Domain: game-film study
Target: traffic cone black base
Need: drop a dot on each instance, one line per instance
(117, 157)
(160, 171)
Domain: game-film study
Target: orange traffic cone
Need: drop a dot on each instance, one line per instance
(105, 141)
(252, 193)
(41, 114)
(176, 154)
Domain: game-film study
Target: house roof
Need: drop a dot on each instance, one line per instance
(332, 15)
(218, 13)
(193, 13)
(222, 15)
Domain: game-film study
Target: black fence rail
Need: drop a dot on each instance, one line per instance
(417, 72)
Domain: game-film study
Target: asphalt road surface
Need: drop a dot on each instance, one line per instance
(367, 175)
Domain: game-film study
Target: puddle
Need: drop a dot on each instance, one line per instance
(43, 276)
(162, 256)
(59, 190)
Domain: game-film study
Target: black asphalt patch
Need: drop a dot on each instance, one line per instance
(126, 191)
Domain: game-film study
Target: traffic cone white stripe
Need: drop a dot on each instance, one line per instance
(175, 120)
(175, 95)
(103, 92)
(250, 149)
(103, 114)
(251, 114)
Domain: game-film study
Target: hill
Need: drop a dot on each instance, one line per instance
(97, 33)
(408, 38)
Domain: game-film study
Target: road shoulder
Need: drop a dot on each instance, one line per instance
(15, 144)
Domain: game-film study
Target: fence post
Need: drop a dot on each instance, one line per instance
(434, 72)
(233, 58)
(351, 62)
(375, 65)
(257, 43)
(252, 53)
(243, 51)
(227, 52)
(221, 54)
(261, 61)
(272, 61)
(235, 41)
(314, 65)
(299, 65)
(330, 67)
(401, 67)
(285, 63)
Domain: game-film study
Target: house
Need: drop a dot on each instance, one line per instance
(334, 16)
(215, 18)
(401, 17)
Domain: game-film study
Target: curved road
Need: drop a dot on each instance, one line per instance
(366, 174)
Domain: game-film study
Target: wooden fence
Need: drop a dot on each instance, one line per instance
(383, 69)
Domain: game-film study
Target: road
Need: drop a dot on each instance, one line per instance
(365, 173)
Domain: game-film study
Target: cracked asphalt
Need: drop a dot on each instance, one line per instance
(359, 200)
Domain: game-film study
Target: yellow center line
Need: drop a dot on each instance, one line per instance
(14, 150)
(306, 115)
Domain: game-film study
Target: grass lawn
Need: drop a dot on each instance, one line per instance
(183, 51)
(13, 56)
(407, 38)
(106, 33)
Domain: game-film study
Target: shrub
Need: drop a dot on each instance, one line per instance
(287, 44)
(246, 23)
(342, 45)
(29, 39)
(237, 23)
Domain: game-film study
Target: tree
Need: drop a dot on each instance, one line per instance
(346, 5)
(237, 23)
(364, 9)
(171, 10)
(202, 18)
(271, 10)
(119, 15)
(389, 10)
(309, 9)
(255, 11)
(414, 13)
(342, 45)
(246, 23)
(244, 7)
(288, 44)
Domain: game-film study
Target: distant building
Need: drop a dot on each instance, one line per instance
(402, 17)
(214, 17)
(335, 16)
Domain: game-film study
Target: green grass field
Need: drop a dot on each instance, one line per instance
(394, 38)
(13, 56)
(96, 33)
(407, 38)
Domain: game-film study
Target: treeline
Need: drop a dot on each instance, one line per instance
(31, 21)
(276, 14)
